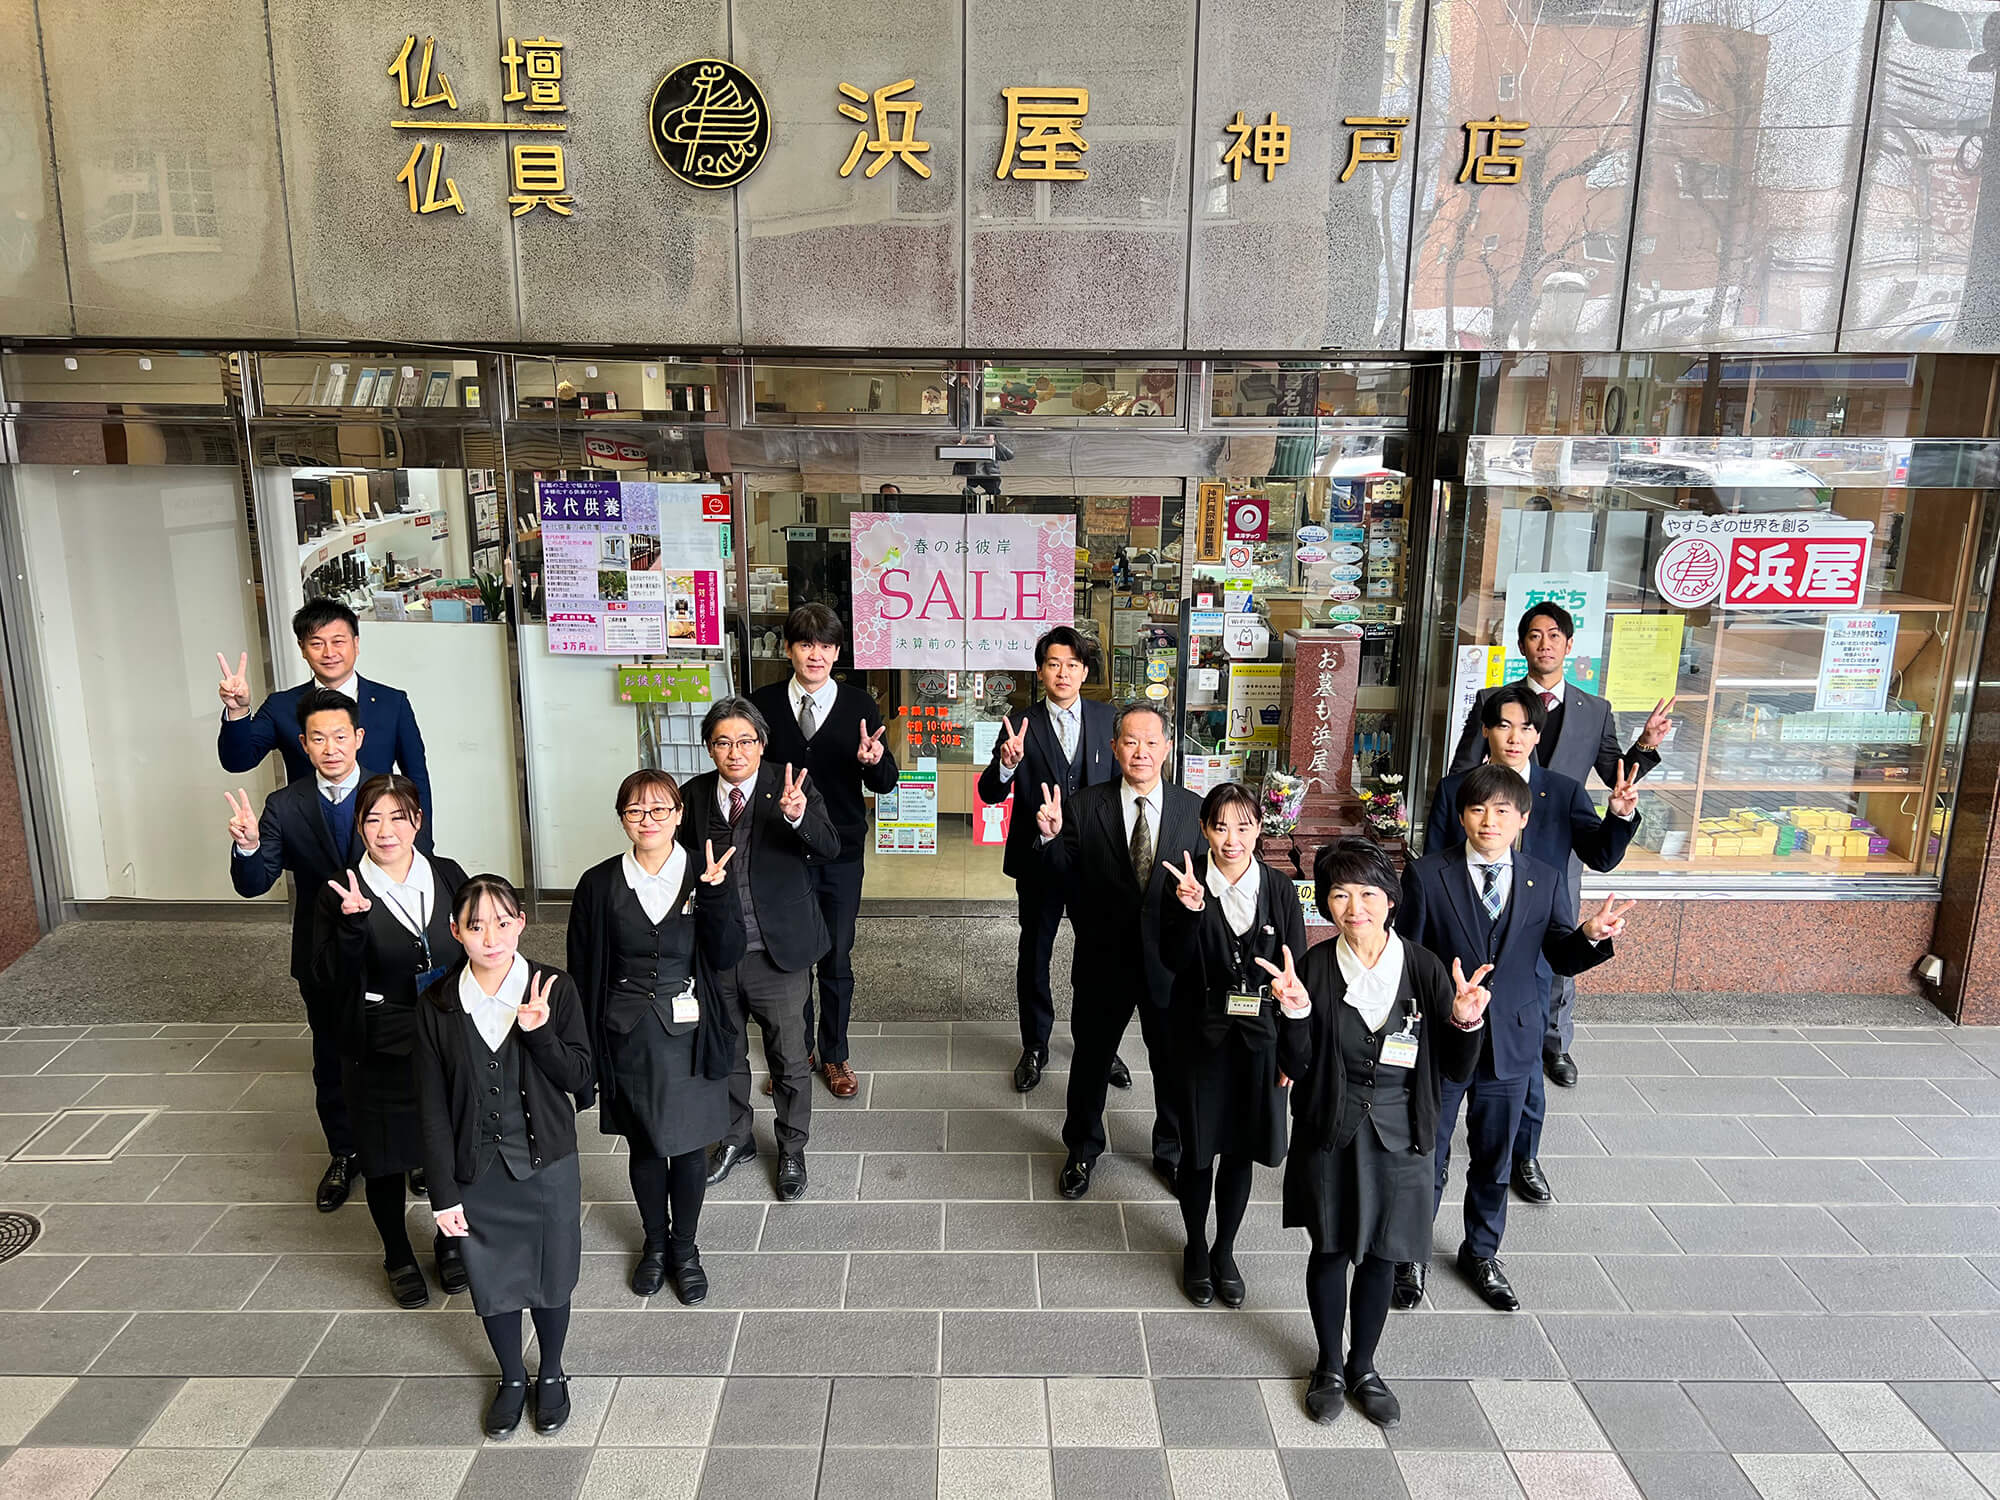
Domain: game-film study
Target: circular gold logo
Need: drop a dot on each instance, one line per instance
(709, 123)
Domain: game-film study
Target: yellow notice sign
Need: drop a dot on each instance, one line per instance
(1645, 661)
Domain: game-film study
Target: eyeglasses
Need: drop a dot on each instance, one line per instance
(742, 742)
(649, 814)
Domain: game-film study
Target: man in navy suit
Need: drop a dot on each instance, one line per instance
(1497, 914)
(308, 828)
(329, 638)
(1062, 743)
(1564, 830)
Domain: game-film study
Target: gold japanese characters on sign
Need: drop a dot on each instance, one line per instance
(1268, 145)
(1497, 163)
(709, 123)
(888, 144)
(540, 176)
(1044, 140)
(1376, 138)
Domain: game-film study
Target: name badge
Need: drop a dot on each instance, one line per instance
(1400, 1050)
(1244, 1004)
(369, 997)
(686, 1007)
(431, 976)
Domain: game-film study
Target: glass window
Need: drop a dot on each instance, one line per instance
(415, 544)
(665, 390)
(1081, 394)
(115, 377)
(355, 380)
(1253, 389)
(855, 393)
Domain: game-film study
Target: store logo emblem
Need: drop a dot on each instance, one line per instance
(709, 123)
(1689, 572)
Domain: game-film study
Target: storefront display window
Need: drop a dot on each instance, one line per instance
(358, 380)
(657, 390)
(1081, 394)
(125, 379)
(854, 393)
(1257, 390)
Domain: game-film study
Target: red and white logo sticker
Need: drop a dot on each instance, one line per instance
(1689, 572)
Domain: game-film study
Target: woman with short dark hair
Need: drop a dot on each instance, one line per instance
(1368, 1027)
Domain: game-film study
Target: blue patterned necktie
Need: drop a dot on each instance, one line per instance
(1491, 894)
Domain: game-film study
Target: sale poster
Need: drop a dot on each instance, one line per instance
(959, 593)
(628, 568)
(1645, 664)
(1856, 662)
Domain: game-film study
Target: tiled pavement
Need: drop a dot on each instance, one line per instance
(1774, 1271)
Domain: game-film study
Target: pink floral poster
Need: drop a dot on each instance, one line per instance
(959, 592)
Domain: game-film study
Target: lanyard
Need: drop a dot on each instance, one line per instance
(420, 919)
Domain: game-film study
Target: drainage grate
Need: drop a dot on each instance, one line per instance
(17, 1232)
(84, 1135)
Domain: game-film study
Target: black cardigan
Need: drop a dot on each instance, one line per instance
(830, 754)
(1201, 950)
(1308, 1048)
(555, 1064)
(340, 951)
(719, 944)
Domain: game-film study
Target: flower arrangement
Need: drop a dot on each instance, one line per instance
(1282, 799)
(1383, 809)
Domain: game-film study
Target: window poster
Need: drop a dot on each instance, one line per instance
(959, 593)
(628, 568)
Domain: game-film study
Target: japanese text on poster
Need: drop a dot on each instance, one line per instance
(959, 592)
(906, 818)
(1256, 703)
(628, 568)
(1582, 594)
(1645, 663)
(1856, 663)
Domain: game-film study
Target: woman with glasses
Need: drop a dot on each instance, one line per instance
(648, 930)
(384, 933)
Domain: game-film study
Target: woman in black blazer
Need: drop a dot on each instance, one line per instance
(648, 932)
(1369, 1026)
(501, 1048)
(1230, 911)
(383, 934)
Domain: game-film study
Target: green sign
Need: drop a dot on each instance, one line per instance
(664, 684)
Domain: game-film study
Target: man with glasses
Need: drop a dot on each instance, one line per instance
(774, 820)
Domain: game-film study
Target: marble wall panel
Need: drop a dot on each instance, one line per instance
(34, 283)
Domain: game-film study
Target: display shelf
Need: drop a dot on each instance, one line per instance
(1825, 788)
(1651, 860)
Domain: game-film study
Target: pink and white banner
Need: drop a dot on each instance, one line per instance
(959, 592)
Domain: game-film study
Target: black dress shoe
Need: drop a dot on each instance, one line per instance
(407, 1286)
(1167, 1172)
(651, 1272)
(1323, 1396)
(335, 1182)
(1121, 1076)
(1487, 1279)
(551, 1403)
(791, 1177)
(418, 1188)
(1028, 1071)
(724, 1161)
(1229, 1288)
(1196, 1279)
(1075, 1179)
(1529, 1183)
(1561, 1070)
(690, 1281)
(1374, 1399)
(1409, 1290)
(503, 1413)
(449, 1256)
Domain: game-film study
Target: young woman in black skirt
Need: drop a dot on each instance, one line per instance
(501, 1048)
(1370, 1024)
(1229, 912)
(384, 934)
(647, 931)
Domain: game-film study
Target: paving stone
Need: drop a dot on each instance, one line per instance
(1578, 1229)
(992, 1413)
(1916, 1476)
(1870, 1136)
(1923, 1231)
(162, 1283)
(643, 1474)
(1719, 1096)
(988, 1343)
(1738, 1229)
(1261, 1345)
(396, 1342)
(29, 1281)
(662, 1410)
(1552, 1283)
(1872, 1096)
(215, 1413)
(878, 1474)
(1034, 1131)
(1896, 1283)
(1648, 1416)
(397, 1473)
(1652, 1346)
(1857, 1347)
(1941, 1182)
(883, 1411)
(47, 1343)
(1440, 1414)
(618, 1343)
(100, 1411)
(1573, 1476)
(1977, 1335)
(1451, 1476)
(315, 1406)
(1800, 1180)
(1222, 1474)
(25, 1400)
(1038, 1226)
(1689, 1476)
(1960, 1138)
(1700, 1136)
(1757, 1059)
(1209, 1413)
(948, 1279)
(1539, 1415)
(1703, 1283)
(289, 1474)
(1964, 1414)
(170, 1474)
(994, 1474)
(772, 1412)
(527, 1473)
(1102, 1413)
(56, 1473)
(855, 1226)
(1881, 1060)
(1129, 1474)
(1117, 1279)
(840, 1343)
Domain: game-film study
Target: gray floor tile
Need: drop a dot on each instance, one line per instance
(25, 1400)
(1208, 1413)
(724, 1226)
(1036, 1226)
(878, 1474)
(1675, 1135)
(99, 1412)
(1740, 1229)
(1977, 1335)
(129, 1179)
(1573, 1229)
(619, 1343)
(880, 1130)
(1334, 1471)
(743, 1279)
(333, 1283)
(1540, 1415)
(1036, 1131)
(40, 1096)
(1440, 1414)
(1799, 1180)
(169, 1474)
(643, 1474)
(1976, 1096)
(1857, 1347)
(1158, 1226)
(1226, 1474)
(1718, 1096)
(878, 1411)
(178, 1056)
(1756, 1417)
(1483, 1345)
(1897, 1283)
(526, 1473)
(949, 1176)
(1916, 1476)
(1127, 1473)
(1862, 1416)
(288, 1474)
(854, 1226)
(835, 1177)
(342, 1409)
(215, 1413)
(1652, 1346)
(1942, 1182)
(1218, 1342)
(1065, 1343)
(1618, 1179)
(1976, 1138)
(1884, 1060)
(1923, 1230)
(1689, 1476)
(224, 1131)
(182, 1343)
(1648, 1416)
(278, 1228)
(162, 1283)
(43, 1343)
(655, 1410)
(423, 1412)
(29, 1281)
(1964, 1414)
(1872, 1096)
(21, 1057)
(759, 1474)
(236, 1055)
(1547, 1283)
(1635, 1058)
(943, 1279)
(56, 1473)
(1868, 1136)
(394, 1473)
(1447, 1476)
(934, 1091)
(1602, 1094)
(840, 1343)
(1111, 1279)
(772, 1412)
(1757, 1059)
(398, 1342)
(1705, 1283)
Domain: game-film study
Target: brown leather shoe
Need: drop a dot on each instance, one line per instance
(840, 1081)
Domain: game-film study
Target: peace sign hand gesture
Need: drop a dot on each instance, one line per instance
(1469, 997)
(718, 869)
(1286, 985)
(1607, 921)
(242, 821)
(1013, 742)
(532, 1013)
(1658, 724)
(1187, 887)
(352, 902)
(1048, 820)
(870, 752)
(792, 801)
(1625, 791)
(234, 689)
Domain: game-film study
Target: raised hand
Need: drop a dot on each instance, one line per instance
(234, 690)
(1286, 986)
(1607, 921)
(1625, 791)
(242, 821)
(870, 752)
(1469, 997)
(352, 902)
(1013, 742)
(718, 869)
(792, 801)
(1657, 724)
(1187, 886)
(1048, 820)
(451, 1223)
(532, 1013)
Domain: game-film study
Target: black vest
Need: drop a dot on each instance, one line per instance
(739, 869)
(650, 964)
(503, 1111)
(1375, 1094)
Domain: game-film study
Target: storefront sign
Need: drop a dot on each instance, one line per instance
(709, 123)
(658, 684)
(1209, 502)
(1145, 510)
(895, 121)
(1645, 664)
(1249, 518)
(906, 818)
(1257, 703)
(534, 81)
(1582, 594)
(628, 569)
(1325, 679)
(1777, 561)
(1855, 664)
(958, 592)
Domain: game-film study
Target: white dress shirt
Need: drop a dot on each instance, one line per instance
(1476, 863)
(410, 899)
(1238, 897)
(1371, 991)
(656, 892)
(822, 700)
(1129, 799)
(333, 791)
(1057, 715)
(351, 687)
(493, 1015)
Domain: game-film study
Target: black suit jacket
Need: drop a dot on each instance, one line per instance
(830, 756)
(1588, 741)
(1562, 825)
(788, 918)
(1441, 911)
(1042, 762)
(1118, 944)
(390, 739)
(292, 835)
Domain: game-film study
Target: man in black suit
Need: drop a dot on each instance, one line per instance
(772, 821)
(1496, 914)
(1110, 847)
(308, 828)
(1065, 745)
(836, 731)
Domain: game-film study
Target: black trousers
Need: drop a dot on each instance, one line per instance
(837, 887)
(1040, 905)
(1098, 1022)
(1528, 1139)
(323, 1016)
(1492, 1119)
(758, 990)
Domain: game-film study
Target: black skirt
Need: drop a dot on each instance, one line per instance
(381, 1093)
(1231, 1104)
(658, 1099)
(525, 1246)
(1363, 1198)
